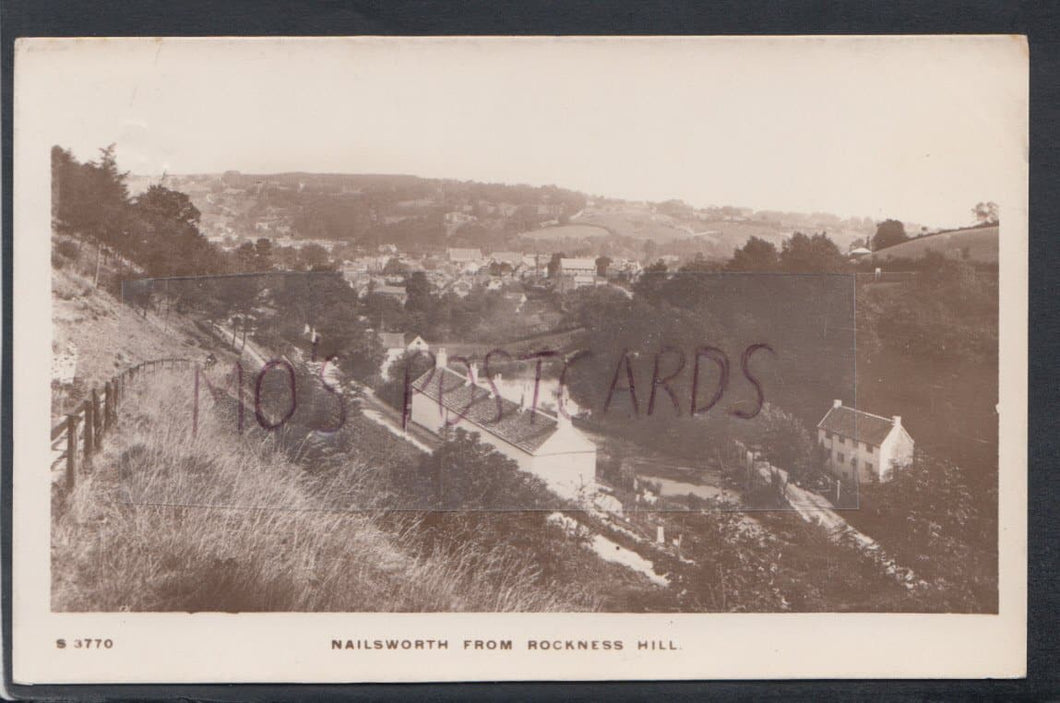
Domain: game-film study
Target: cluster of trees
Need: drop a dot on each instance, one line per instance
(404, 210)
(947, 533)
(930, 342)
(681, 322)
(888, 233)
(482, 315)
(799, 253)
(157, 229)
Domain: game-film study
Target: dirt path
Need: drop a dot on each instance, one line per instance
(814, 508)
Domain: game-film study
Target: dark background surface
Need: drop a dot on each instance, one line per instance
(271, 17)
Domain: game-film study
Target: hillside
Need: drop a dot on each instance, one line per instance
(978, 244)
(419, 214)
(106, 336)
(212, 522)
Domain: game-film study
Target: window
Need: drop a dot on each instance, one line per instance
(868, 465)
(841, 459)
(854, 461)
(828, 436)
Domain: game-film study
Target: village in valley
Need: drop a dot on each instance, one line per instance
(634, 378)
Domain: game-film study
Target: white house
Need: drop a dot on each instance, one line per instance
(574, 267)
(579, 273)
(857, 441)
(543, 444)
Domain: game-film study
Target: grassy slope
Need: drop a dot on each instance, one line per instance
(109, 337)
(171, 521)
(168, 521)
(561, 231)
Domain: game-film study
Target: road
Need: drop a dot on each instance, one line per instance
(371, 406)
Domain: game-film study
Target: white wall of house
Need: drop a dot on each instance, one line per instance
(567, 463)
(896, 452)
(844, 454)
(426, 413)
(873, 463)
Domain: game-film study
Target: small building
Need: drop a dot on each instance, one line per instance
(576, 273)
(577, 267)
(862, 446)
(464, 256)
(543, 444)
(457, 218)
(394, 345)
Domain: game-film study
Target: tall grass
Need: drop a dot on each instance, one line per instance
(171, 520)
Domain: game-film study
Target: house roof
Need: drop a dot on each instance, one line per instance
(577, 264)
(520, 428)
(857, 424)
(509, 257)
(457, 254)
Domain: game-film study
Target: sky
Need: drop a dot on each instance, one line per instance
(919, 129)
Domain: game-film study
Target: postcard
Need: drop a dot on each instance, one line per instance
(545, 358)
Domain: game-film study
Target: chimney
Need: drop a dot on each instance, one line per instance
(472, 369)
(897, 420)
(837, 403)
(441, 360)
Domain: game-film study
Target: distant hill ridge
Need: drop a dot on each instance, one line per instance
(415, 212)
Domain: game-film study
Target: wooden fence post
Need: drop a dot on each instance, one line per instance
(71, 450)
(108, 407)
(90, 430)
(97, 421)
(114, 400)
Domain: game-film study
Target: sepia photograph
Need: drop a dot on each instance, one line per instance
(539, 326)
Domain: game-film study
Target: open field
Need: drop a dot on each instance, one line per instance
(575, 231)
(978, 244)
(634, 223)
